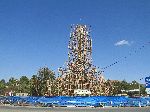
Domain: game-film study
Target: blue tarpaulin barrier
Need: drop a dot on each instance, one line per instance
(77, 101)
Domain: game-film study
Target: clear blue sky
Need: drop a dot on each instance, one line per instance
(35, 33)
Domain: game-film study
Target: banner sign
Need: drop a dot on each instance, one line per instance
(147, 82)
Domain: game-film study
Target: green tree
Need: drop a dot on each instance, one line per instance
(34, 85)
(24, 85)
(117, 87)
(124, 85)
(2, 87)
(133, 85)
(40, 81)
(12, 85)
(142, 89)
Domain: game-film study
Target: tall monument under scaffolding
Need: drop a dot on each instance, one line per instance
(79, 72)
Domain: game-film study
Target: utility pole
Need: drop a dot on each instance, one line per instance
(140, 87)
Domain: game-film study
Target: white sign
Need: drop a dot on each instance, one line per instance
(148, 90)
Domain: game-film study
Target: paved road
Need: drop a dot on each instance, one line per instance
(39, 109)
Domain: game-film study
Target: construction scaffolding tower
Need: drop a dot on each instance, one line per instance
(79, 72)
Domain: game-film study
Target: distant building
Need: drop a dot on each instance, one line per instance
(21, 94)
(114, 81)
(82, 92)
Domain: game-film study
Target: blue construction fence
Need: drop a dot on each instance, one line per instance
(77, 101)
